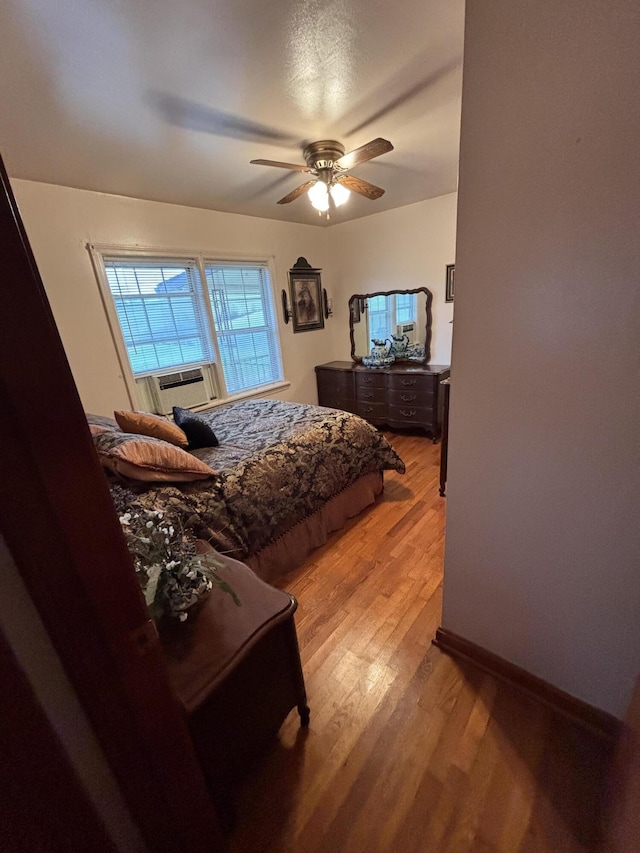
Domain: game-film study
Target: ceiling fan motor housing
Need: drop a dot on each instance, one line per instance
(323, 154)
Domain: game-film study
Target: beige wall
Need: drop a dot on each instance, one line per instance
(61, 221)
(408, 247)
(403, 248)
(543, 560)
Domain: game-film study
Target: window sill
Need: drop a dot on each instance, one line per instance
(244, 395)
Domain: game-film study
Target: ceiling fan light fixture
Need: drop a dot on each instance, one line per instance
(339, 194)
(319, 196)
(327, 164)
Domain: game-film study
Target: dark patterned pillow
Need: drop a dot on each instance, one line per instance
(196, 429)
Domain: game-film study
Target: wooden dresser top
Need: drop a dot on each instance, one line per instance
(400, 367)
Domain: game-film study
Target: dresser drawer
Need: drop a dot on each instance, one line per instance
(371, 395)
(420, 383)
(409, 415)
(371, 379)
(374, 412)
(335, 380)
(411, 397)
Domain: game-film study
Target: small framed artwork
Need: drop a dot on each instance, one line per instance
(354, 308)
(449, 283)
(306, 301)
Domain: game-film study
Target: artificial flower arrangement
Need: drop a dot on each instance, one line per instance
(173, 577)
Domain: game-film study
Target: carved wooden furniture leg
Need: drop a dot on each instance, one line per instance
(305, 713)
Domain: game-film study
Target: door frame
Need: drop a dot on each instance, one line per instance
(60, 525)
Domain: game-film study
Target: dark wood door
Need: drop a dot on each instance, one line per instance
(59, 523)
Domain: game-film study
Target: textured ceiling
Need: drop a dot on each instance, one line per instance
(169, 101)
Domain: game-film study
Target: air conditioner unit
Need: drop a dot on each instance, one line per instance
(408, 329)
(185, 388)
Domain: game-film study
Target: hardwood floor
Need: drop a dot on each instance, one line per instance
(408, 750)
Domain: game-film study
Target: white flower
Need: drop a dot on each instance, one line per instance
(149, 525)
(182, 616)
(145, 540)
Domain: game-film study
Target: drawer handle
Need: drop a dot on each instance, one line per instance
(367, 409)
(367, 380)
(407, 381)
(407, 397)
(408, 413)
(368, 395)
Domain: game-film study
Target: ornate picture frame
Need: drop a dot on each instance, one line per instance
(307, 306)
(449, 283)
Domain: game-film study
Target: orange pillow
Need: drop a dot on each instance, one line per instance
(143, 423)
(142, 457)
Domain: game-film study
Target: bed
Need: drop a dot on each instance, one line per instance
(287, 475)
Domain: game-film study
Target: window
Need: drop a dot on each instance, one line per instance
(245, 324)
(380, 317)
(176, 313)
(406, 308)
(161, 312)
(387, 312)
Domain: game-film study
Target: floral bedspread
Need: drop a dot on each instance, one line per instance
(277, 463)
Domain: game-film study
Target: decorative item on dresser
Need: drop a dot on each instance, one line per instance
(401, 395)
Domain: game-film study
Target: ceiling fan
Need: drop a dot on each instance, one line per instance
(328, 164)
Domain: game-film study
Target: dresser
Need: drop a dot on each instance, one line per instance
(403, 395)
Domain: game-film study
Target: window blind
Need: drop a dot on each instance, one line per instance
(162, 313)
(245, 324)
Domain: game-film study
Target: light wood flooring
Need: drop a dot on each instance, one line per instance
(408, 750)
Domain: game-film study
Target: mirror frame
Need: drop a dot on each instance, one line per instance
(427, 339)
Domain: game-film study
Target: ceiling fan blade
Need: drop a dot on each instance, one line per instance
(296, 167)
(361, 187)
(366, 152)
(294, 194)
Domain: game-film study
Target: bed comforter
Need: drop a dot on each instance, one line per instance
(277, 463)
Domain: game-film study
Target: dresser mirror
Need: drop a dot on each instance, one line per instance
(400, 318)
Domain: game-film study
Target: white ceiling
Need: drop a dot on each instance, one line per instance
(170, 99)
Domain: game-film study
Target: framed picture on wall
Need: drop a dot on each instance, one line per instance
(449, 283)
(306, 301)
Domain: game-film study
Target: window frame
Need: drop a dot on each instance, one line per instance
(200, 259)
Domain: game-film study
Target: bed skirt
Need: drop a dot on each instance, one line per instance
(290, 550)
